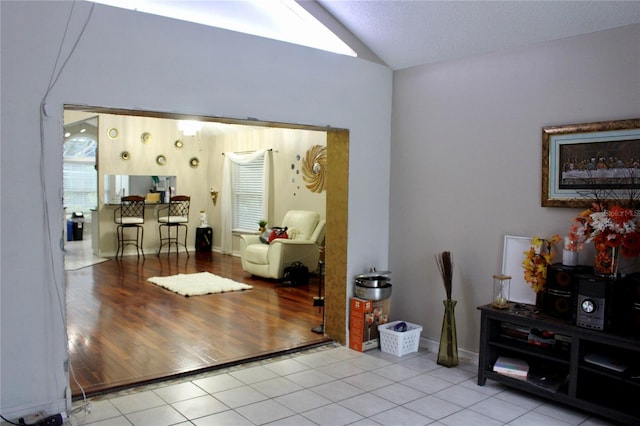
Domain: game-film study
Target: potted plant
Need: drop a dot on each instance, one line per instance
(263, 225)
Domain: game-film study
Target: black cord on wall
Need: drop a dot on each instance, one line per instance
(44, 114)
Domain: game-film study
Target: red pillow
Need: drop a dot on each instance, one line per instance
(278, 233)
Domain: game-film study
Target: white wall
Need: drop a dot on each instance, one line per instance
(289, 191)
(135, 61)
(466, 158)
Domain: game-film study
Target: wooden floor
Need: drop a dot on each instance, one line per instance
(124, 330)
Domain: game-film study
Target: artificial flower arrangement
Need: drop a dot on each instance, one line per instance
(611, 222)
(610, 228)
(537, 258)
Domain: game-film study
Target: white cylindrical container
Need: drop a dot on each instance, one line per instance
(569, 257)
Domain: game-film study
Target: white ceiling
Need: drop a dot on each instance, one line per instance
(408, 33)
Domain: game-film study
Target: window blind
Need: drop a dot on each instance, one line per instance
(247, 194)
(79, 176)
(80, 186)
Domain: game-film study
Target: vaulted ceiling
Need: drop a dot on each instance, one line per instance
(402, 33)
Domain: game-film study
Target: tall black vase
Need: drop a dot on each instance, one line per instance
(448, 351)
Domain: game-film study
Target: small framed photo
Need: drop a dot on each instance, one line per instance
(582, 160)
(513, 253)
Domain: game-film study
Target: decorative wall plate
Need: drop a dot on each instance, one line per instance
(194, 162)
(124, 155)
(113, 133)
(178, 144)
(314, 168)
(161, 160)
(145, 137)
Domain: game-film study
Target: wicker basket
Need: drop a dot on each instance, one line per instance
(399, 343)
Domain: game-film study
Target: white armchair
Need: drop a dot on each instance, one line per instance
(306, 232)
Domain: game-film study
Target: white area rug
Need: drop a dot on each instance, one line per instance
(198, 284)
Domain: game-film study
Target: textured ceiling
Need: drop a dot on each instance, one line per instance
(409, 33)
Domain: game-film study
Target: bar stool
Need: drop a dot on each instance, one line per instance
(130, 214)
(175, 215)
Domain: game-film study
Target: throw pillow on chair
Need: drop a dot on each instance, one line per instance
(273, 233)
(278, 233)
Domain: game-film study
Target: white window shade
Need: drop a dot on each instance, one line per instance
(80, 179)
(248, 195)
(244, 195)
(80, 187)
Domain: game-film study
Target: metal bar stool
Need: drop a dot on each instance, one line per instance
(130, 214)
(175, 215)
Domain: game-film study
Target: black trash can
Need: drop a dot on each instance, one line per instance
(77, 220)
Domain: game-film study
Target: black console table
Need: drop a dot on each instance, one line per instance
(595, 371)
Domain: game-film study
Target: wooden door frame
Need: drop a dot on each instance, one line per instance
(337, 232)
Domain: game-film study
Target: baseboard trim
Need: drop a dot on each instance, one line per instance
(434, 346)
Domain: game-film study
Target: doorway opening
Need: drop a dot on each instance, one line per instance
(79, 166)
(80, 190)
(336, 204)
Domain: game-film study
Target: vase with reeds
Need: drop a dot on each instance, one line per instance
(448, 351)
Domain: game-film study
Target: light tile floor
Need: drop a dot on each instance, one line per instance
(79, 254)
(331, 386)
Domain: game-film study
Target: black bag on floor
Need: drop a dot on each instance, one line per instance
(296, 274)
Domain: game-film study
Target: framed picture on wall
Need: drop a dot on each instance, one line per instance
(584, 162)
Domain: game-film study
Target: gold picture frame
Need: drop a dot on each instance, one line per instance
(575, 158)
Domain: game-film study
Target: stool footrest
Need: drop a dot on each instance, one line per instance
(124, 241)
(175, 240)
